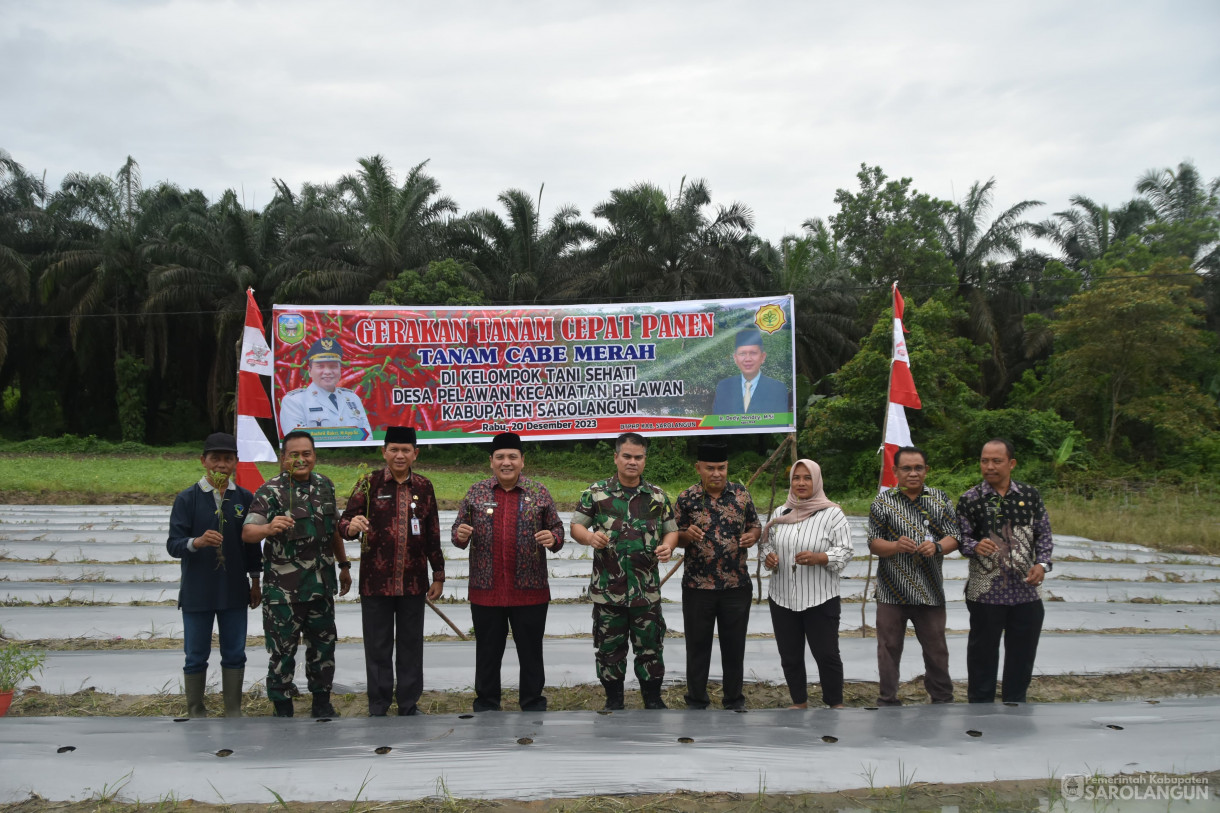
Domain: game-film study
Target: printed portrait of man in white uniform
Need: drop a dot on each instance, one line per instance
(323, 402)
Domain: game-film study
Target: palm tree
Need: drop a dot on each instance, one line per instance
(22, 214)
(1086, 231)
(1189, 208)
(978, 251)
(518, 261)
(207, 262)
(813, 268)
(105, 269)
(657, 248)
(374, 230)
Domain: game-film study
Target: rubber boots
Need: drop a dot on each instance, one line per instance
(651, 690)
(283, 708)
(195, 685)
(614, 695)
(231, 681)
(322, 706)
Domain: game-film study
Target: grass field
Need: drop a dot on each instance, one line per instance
(1177, 519)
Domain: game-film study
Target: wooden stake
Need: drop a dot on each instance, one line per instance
(452, 625)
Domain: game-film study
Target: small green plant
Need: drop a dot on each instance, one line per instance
(364, 484)
(220, 480)
(16, 665)
(279, 800)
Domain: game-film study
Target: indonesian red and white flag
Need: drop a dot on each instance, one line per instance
(252, 402)
(902, 395)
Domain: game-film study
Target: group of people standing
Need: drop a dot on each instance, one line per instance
(290, 536)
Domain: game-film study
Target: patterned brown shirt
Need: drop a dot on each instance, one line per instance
(718, 562)
(404, 535)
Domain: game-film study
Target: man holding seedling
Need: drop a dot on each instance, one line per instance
(1006, 535)
(719, 525)
(295, 513)
(396, 510)
(205, 533)
(509, 522)
(630, 525)
(910, 529)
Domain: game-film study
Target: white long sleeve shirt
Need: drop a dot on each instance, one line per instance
(799, 587)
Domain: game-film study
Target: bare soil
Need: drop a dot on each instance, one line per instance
(1151, 686)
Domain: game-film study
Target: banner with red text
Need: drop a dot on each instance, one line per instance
(464, 374)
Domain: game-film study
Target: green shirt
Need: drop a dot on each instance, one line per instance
(298, 564)
(636, 520)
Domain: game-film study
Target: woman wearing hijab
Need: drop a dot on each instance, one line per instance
(806, 545)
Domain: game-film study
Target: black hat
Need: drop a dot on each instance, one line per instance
(749, 336)
(713, 453)
(325, 349)
(505, 440)
(400, 434)
(220, 442)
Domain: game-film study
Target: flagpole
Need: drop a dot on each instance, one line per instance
(885, 426)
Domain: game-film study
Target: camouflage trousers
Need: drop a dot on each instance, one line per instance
(283, 626)
(613, 624)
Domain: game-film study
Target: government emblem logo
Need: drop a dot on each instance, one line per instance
(290, 328)
(770, 318)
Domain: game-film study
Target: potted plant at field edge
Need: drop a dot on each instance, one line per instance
(15, 666)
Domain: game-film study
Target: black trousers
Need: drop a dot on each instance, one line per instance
(702, 612)
(819, 626)
(393, 627)
(1020, 625)
(491, 625)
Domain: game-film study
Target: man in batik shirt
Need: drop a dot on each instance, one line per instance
(1006, 535)
(910, 529)
(630, 525)
(717, 526)
(295, 513)
(396, 510)
(510, 522)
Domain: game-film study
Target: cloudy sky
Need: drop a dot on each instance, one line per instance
(775, 104)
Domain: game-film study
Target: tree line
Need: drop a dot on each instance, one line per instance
(1090, 336)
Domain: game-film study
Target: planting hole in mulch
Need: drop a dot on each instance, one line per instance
(65, 749)
(382, 749)
(525, 741)
(974, 733)
(686, 740)
(224, 752)
(828, 738)
(1115, 727)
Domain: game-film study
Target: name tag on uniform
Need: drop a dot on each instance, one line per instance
(415, 526)
(315, 409)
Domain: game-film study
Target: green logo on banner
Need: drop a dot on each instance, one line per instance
(290, 327)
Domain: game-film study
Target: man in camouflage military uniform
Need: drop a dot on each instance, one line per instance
(630, 524)
(295, 512)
